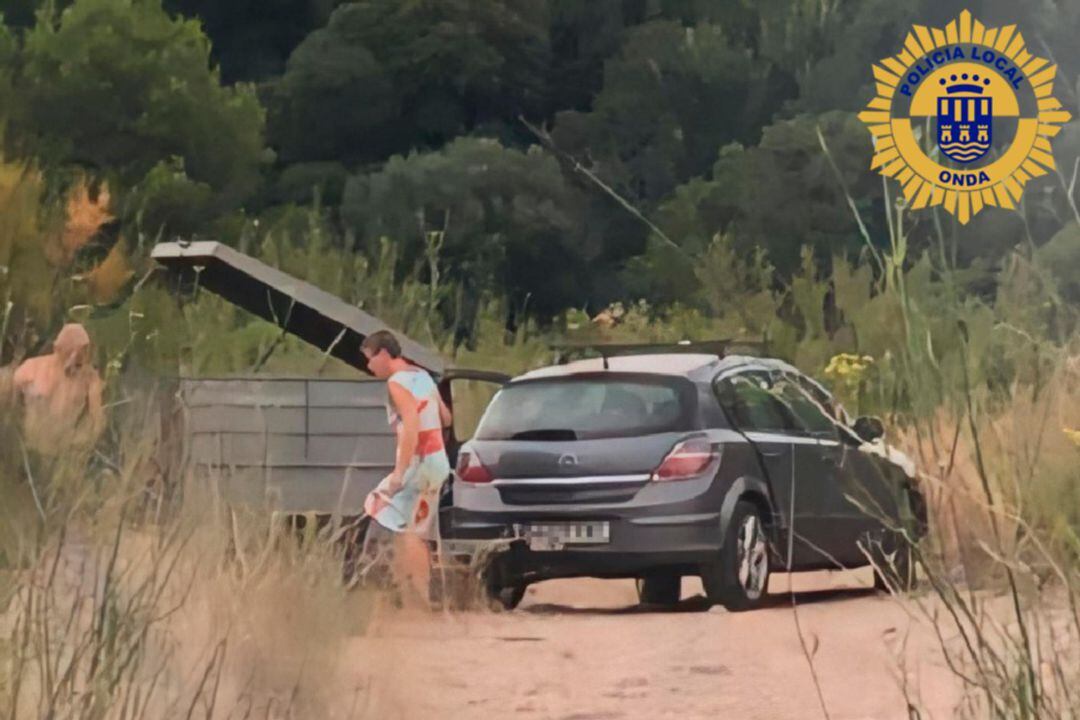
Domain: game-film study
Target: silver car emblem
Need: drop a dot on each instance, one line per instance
(567, 461)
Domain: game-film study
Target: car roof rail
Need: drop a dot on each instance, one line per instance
(565, 352)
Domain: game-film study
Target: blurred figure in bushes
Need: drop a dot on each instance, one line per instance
(61, 395)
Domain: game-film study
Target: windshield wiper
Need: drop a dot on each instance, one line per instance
(548, 434)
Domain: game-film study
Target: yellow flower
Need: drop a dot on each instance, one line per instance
(1073, 435)
(848, 368)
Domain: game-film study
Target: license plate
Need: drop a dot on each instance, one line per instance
(556, 536)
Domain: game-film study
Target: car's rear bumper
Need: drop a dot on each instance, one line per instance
(635, 546)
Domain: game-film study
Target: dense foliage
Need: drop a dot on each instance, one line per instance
(501, 144)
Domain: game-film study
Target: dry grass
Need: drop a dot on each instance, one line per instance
(1002, 557)
(1032, 466)
(116, 609)
(160, 622)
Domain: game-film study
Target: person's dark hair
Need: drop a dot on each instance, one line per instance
(382, 340)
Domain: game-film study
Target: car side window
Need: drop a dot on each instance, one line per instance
(827, 402)
(748, 401)
(809, 414)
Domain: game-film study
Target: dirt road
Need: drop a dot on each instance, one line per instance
(582, 650)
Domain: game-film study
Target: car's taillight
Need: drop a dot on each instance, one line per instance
(471, 470)
(688, 459)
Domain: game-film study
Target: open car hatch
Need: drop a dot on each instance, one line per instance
(301, 309)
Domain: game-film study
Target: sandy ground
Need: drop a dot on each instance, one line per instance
(583, 650)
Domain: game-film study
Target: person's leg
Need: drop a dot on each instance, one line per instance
(414, 567)
(415, 551)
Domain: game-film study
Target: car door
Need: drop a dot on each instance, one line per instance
(747, 398)
(818, 471)
(467, 393)
(877, 489)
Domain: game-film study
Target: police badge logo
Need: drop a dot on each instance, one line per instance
(991, 106)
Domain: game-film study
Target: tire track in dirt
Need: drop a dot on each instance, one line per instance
(582, 650)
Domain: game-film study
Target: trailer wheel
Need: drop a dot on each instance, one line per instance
(501, 589)
(352, 539)
(660, 589)
(506, 598)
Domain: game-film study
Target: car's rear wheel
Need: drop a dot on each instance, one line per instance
(739, 579)
(894, 567)
(662, 588)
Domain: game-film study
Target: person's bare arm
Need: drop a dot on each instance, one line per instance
(23, 376)
(445, 416)
(408, 432)
(21, 380)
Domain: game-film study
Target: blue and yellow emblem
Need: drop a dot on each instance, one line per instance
(963, 117)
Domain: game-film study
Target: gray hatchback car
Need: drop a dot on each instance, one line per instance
(656, 466)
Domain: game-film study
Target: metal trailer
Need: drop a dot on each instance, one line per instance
(289, 445)
(310, 450)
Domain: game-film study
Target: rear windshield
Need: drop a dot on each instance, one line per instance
(588, 408)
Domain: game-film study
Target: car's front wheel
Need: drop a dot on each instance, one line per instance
(739, 579)
(894, 566)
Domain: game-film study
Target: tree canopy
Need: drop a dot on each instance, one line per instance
(119, 89)
(563, 153)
